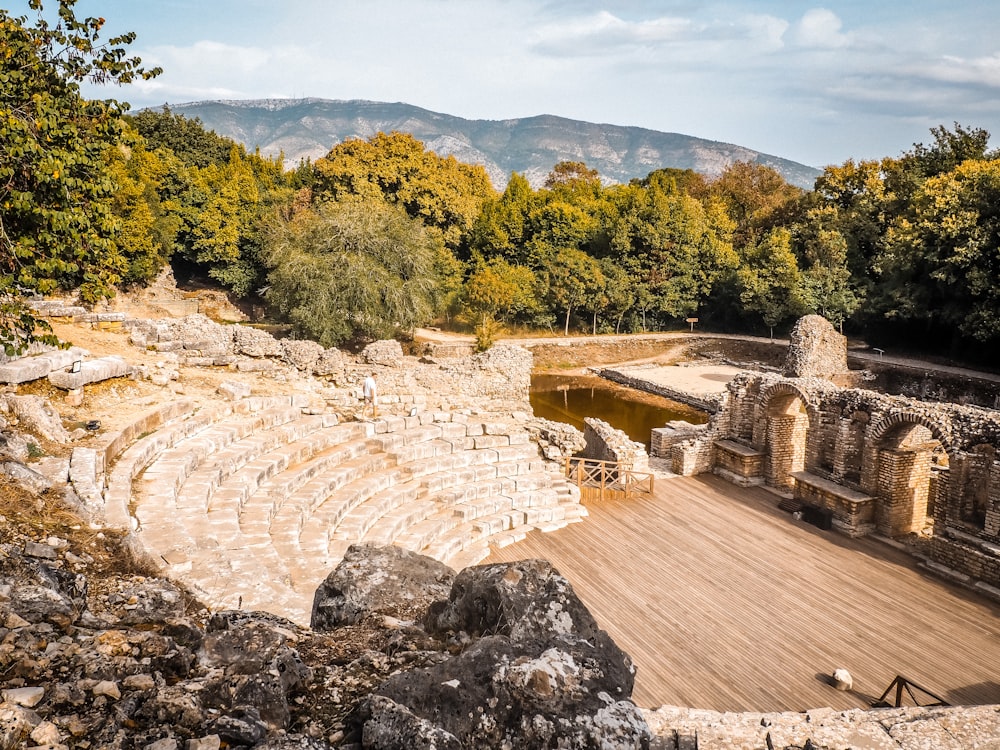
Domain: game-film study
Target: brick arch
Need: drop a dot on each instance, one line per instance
(784, 438)
(894, 419)
(902, 481)
(785, 388)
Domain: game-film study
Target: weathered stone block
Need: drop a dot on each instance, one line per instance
(91, 371)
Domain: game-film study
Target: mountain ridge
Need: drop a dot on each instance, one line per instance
(310, 127)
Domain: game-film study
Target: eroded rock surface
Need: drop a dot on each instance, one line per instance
(370, 580)
(534, 671)
(815, 349)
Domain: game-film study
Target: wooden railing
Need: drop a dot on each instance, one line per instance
(919, 695)
(604, 480)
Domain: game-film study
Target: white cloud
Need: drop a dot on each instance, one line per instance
(984, 71)
(218, 57)
(819, 28)
(604, 32)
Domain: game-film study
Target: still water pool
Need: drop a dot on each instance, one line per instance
(570, 398)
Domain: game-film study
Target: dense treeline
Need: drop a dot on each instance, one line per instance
(381, 235)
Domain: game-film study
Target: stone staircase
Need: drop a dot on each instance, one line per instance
(251, 504)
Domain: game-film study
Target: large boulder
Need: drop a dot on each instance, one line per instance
(815, 349)
(259, 670)
(539, 672)
(388, 353)
(379, 581)
(329, 363)
(301, 353)
(253, 342)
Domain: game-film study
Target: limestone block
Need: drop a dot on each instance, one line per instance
(33, 368)
(330, 362)
(388, 353)
(254, 342)
(303, 354)
(234, 390)
(815, 349)
(91, 371)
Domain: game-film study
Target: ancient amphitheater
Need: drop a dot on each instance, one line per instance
(249, 481)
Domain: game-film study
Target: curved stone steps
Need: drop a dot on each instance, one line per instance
(254, 445)
(247, 466)
(208, 448)
(263, 502)
(339, 487)
(156, 445)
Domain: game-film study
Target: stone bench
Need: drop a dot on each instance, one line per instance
(342, 485)
(178, 466)
(38, 366)
(90, 371)
(739, 463)
(853, 513)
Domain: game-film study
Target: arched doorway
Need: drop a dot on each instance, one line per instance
(787, 431)
(908, 467)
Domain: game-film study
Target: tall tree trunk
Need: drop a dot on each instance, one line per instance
(566, 331)
(594, 328)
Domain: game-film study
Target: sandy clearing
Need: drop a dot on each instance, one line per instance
(697, 380)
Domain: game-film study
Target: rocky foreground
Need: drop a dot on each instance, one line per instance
(404, 653)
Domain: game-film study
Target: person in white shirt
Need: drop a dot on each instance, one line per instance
(369, 390)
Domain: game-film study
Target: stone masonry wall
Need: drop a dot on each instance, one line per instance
(859, 440)
(605, 443)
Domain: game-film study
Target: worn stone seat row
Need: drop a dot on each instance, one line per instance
(131, 451)
(264, 500)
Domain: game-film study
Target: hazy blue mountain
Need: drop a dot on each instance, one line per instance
(301, 128)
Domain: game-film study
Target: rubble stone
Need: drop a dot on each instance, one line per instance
(815, 349)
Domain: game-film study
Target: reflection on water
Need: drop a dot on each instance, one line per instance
(569, 399)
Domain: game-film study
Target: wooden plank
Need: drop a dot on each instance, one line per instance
(727, 603)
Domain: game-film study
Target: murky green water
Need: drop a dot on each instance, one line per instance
(569, 399)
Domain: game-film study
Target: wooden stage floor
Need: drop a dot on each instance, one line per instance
(725, 602)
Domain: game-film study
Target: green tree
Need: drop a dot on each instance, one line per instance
(557, 223)
(942, 267)
(574, 277)
(672, 180)
(135, 203)
(619, 294)
(827, 288)
(57, 225)
(756, 197)
(672, 245)
(186, 138)
(950, 149)
(353, 270)
(574, 175)
(769, 279)
(499, 289)
(439, 191)
(501, 229)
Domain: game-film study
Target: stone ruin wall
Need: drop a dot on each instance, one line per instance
(914, 467)
(605, 443)
(930, 385)
(861, 461)
(496, 380)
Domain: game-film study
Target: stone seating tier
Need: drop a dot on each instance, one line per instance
(265, 500)
(853, 512)
(739, 463)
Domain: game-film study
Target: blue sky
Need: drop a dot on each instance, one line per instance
(817, 83)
